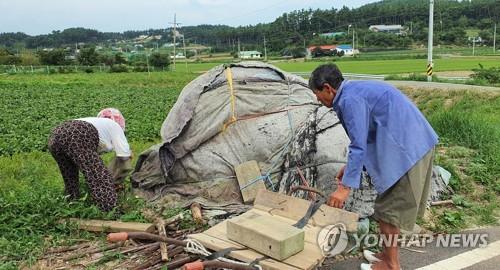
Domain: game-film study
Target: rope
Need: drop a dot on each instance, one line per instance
(195, 247)
(265, 177)
(229, 76)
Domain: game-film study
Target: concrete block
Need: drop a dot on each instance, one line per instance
(267, 235)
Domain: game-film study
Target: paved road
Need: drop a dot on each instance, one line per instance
(443, 86)
(487, 258)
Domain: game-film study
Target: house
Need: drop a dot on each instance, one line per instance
(249, 54)
(383, 28)
(178, 56)
(347, 49)
(325, 50)
(322, 47)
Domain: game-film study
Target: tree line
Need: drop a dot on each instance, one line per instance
(302, 28)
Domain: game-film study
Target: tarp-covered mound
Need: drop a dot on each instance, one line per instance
(227, 116)
(242, 112)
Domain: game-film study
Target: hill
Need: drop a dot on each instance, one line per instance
(303, 27)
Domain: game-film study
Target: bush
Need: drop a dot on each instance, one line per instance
(140, 67)
(159, 60)
(491, 75)
(65, 70)
(118, 68)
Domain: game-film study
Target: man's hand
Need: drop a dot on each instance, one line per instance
(339, 196)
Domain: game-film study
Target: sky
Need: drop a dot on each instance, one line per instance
(36, 17)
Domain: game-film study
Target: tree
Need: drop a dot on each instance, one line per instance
(159, 60)
(8, 58)
(53, 57)
(88, 56)
(120, 58)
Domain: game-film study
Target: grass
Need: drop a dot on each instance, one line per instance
(468, 124)
(349, 65)
(31, 189)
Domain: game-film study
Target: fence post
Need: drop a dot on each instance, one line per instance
(76, 68)
(32, 69)
(14, 67)
(48, 70)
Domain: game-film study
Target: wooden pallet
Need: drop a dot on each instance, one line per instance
(290, 210)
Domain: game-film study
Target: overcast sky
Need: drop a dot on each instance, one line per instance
(43, 16)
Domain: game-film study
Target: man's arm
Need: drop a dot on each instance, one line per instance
(356, 116)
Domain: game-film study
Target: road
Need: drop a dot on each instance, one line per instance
(440, 258)
(441, 86)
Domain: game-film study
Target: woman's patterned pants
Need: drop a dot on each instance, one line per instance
(73, 145)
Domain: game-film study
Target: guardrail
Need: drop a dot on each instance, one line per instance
(355, 76)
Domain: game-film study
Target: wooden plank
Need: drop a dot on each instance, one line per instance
(307, 259)
(94, 225)
(267, 235)
(248, 255)
(295, 209)
(246, 173)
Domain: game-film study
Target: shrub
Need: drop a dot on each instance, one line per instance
(140, 67)
(491, 75)
(118, 68)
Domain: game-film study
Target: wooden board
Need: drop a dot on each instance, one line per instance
(290, 210)
(246, 173)
(295, 209)
(112, 226)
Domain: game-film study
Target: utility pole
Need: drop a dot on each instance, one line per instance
(239, 48)
(430, 64)
(494, 39)
(265, 49)
(175, 23)
(353, 41)
(185, 55)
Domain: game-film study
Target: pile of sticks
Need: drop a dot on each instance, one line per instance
(137, 249)
(131, 253)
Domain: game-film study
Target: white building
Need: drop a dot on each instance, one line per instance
(249, 54)
(393, 28)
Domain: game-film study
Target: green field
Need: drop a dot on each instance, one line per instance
(31, 189)
(373, 66)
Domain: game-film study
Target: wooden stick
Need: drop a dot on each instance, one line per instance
(64, 249)
(176, 251)
(180, 262)
(174, 219)
(94, 225)
(442, 202)
(92, 251)
(196, 212)
(160, 225)
(114, 237)
(150, 261)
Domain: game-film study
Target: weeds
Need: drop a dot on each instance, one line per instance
(469, 130)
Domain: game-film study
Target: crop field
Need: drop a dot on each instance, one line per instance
(373, 66)
(31, 188)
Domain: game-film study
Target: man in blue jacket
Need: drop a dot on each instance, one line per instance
(393, 141)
